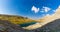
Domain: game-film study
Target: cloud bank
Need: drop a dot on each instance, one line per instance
(46, 9)
(35, 9)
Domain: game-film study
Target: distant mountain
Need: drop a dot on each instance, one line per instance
(16, 19)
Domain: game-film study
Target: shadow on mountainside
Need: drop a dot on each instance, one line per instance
(6, 26)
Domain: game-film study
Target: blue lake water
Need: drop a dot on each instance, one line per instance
(27, 24)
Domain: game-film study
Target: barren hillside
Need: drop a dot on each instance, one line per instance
(50, 18)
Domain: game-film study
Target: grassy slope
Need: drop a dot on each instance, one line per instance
(15, 19)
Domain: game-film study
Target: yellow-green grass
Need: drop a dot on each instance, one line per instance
(15, 19)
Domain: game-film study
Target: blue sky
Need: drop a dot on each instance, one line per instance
(33, 9)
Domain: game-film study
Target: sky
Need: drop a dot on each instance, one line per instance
(33, 9)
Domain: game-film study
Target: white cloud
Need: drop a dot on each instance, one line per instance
(46, 9)
(35, 9)
(59, 6)
(41, 11)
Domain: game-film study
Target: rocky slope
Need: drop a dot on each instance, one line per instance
(6, 26)
(53, 26)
